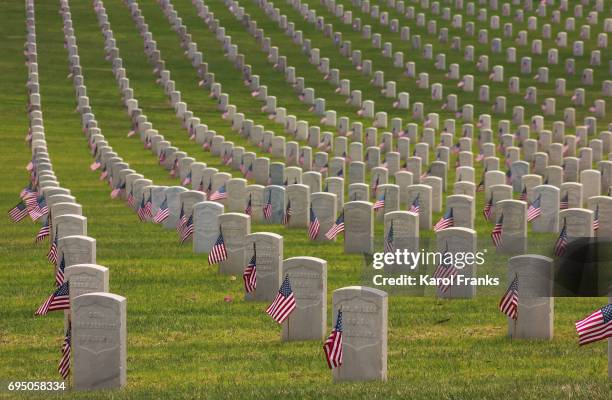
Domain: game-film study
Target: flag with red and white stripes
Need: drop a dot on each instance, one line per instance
(59, 300)
(218, 194)
(267, 208)
(314, 226)
(163, 213)
(415, 207)
(333, 345)
(597, 326)
(496, 233)
(509, 301)
(446, 221)
(488, 209)
(249, 276)
(535, 209)
(596, 219)
(19, 212)
(445, 270)
(64, 364)
(52, 253)
(336, 228)
(288, 213)
(218, 252)
(44, 231)
(59, 272)
(561, 244)
(283, 304)
(249, 208)
(187, 230)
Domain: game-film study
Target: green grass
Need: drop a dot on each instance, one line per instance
(184, 341)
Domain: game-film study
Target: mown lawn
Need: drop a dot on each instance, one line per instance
(184, 340)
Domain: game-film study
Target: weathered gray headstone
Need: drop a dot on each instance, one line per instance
(268, 248)
(206, 225)
(235, 228)
(358, 227)
(99, 341)
(364, 337)
(535, 313)
(308, 278)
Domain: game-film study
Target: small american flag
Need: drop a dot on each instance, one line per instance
(163, 213)
(182, 221)
(380, 202)
(444, 270)
(117, 191)
(480, 156)
(509, 301)
(425, 174)
(219, 194)
(596, 219)
(59, 300)
(508, 177)
(44, 232)
(301, 158)
(561, 244)
(59, 272)
(288, 213)
(535, 209)
(52, 253)
(415, 207)
(597, 326)
(142, 211)
(249, 172)
(103, 173)
(389, 246)
(333, 345)
(375, 187)
(267, 208)
(481, 186)
(187, 230)
(446, 221)
(249, 208)
(496, 233)
(218, 253)
(488, 209)
(28, 192)
(283, 304)
(250, 273)
(95, 165)
(149, 207)
(523, 195)
(564, 203)
(314, 226)
(457, 148)
(337, 228)
(131, 200)
(39, 209)
(174, 169)
(187, 180)
(64, 364)
(201, 185)
(340, 172)
(18, 212)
